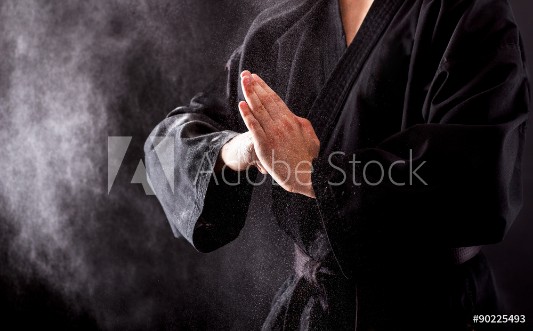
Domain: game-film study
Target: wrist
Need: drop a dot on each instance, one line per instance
(304, 182)
(235, 154)
(308, 191)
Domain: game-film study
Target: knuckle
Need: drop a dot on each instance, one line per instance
(268, 101)
(286, 122)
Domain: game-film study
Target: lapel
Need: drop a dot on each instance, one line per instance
(327, 106)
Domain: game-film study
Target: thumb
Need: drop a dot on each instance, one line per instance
(261, 168)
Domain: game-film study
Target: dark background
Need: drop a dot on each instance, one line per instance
(73, 256)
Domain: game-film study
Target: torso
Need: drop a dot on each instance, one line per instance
(353, 13)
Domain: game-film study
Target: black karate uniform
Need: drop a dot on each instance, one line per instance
(434, 85)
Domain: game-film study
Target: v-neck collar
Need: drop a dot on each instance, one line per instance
(339, 26)
(340, 38)
(328, 104)
(334, 38)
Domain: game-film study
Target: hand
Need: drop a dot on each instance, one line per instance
(238, 154)
(284, 143)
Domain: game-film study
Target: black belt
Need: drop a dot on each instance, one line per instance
(309, 273)
(308, 284)
(306, 267)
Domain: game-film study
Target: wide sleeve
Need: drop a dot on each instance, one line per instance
(207, 209)
(453, 180)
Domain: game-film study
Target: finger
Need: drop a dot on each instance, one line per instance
(250, 121)
(261, 168)
(278, 110)
(254, 159)
(271, 92)
(254, 103)
(245, 73)
(266, 98)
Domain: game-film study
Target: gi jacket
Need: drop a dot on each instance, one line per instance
(421, 122)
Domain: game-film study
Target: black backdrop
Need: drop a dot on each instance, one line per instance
(73, 256)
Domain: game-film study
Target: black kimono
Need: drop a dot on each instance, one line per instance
(421, 122)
